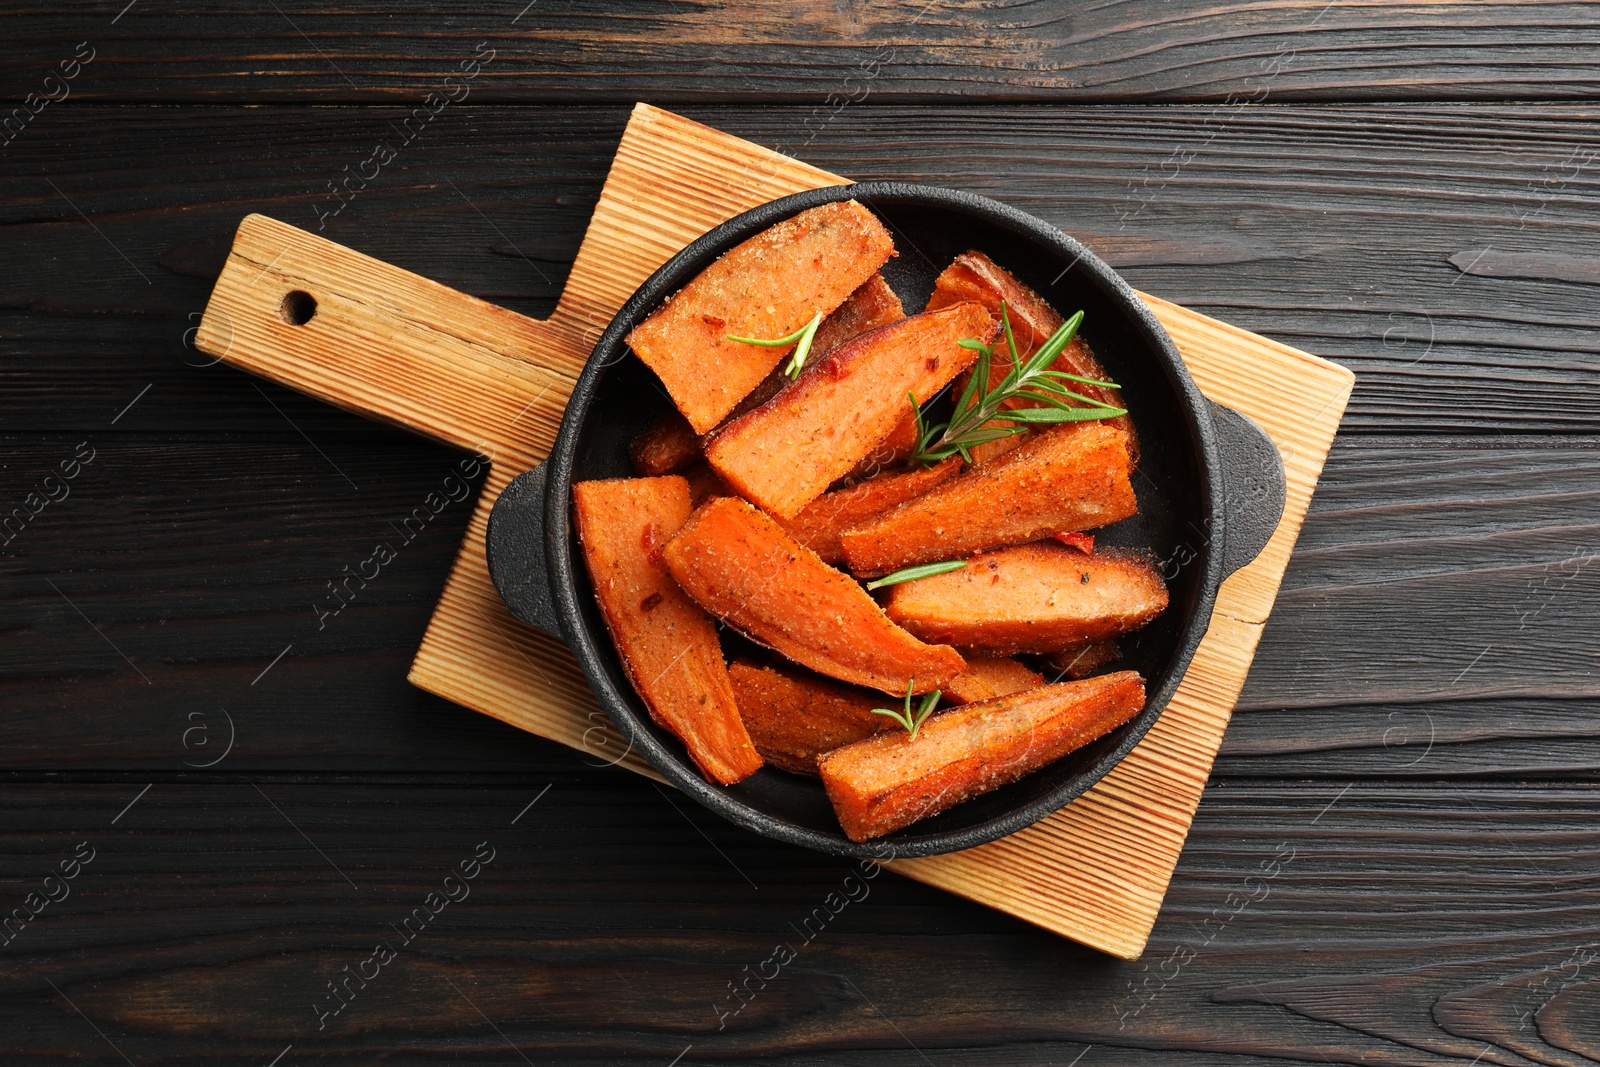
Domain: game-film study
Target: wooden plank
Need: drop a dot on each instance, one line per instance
(607, 928)
(820, 54)
(673, 178)
(1255, 228)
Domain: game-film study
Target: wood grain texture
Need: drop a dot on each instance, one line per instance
(672, 179)
(1419, 921)
(607, 928)
(817, 52)
(1504, 570)
(1329, 229)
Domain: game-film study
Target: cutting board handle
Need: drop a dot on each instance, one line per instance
(390, 345)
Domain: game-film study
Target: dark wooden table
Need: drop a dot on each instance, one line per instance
(214, 807)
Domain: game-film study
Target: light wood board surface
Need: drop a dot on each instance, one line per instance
(397, 347)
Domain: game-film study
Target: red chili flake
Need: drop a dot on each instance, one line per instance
(1081, 541)
(651, 542)
(712, 320)
(835, 369)
(932, 363)
(650, 602)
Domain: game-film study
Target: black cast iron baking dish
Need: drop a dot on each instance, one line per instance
(1210, 487)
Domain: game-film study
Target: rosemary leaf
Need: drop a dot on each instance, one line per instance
(776, 342)
(912, 721)
(804, 335)
(1063, 375)
(1052, 416)
(980, 373)
(911, 574)
(1058, 341)
(1059, 400)
(797, 361)
(1048, 386)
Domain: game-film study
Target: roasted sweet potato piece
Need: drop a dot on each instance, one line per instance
(974, 276)
(890, 452)
(793, 716)
(670, 444)
(666, 446)
(869, 307)
(1080, 661)
(887, 782)
(769, 286)
(819, 523)
(786, 452)
(741, 566)
(1070, 477)
(986, 677)
(1033, 598)
(668, 645)
(873, 304)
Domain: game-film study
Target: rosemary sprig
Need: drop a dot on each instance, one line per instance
(804, 335)
(912, 720)
(1031, 380)
(911, 574)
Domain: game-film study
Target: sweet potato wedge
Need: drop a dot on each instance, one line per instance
(793, 716)
(873, 304)
(741, 566)
(1070, 477)
(1033, 598)
(670, 444)
(767, 287)
(819, 524)
(786, 452)
(1080, 661)
(986, 677)
(890, 781)
(869, 307)
(974, 276)
(668, 645)
(666, 446)
(890, 452)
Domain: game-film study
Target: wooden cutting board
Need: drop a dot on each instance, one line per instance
(393, 346)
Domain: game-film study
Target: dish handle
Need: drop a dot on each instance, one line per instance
(1253, 486)
(516, 551)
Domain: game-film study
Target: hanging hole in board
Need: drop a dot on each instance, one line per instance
(297, 307)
